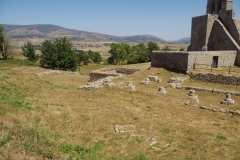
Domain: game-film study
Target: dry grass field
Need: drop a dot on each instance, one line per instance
(47, 117)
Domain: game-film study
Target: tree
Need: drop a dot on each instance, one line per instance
(48, 55)
(182, 49)
(29, 52)
(166, 48)
(95, 57)
(1, 38)
(119, 53)
(141, 53)
(152, 46)
(58, 54)
(5, 44)
(6, 47)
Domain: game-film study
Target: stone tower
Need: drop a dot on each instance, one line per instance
(218, 30)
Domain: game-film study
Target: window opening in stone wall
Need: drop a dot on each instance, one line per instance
(213, 7)
(219, 5)
(215, 62)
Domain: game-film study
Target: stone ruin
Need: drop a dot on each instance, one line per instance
(161, 90)
(146, 81)
(107, 82)
(175, 81)
(97, 84)
(130, 86)
(151, 78)
(154, 78)
(52, 72)
(228, 100)
(215, 41)
(192, 99)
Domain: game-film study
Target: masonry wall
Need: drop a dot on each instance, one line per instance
(216, 78)
(170, 60)
(203, 59)
(199, 25)
(187, 61)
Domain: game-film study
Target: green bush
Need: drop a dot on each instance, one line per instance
(58, 54)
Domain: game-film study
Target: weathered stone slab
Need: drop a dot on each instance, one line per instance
(153, 78)
(228, 100)
(130, 86)
(125, 128)
(177, 79)
(161, 90)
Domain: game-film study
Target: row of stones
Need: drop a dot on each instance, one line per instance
(216, 78)
(130, 128)
(114, 72)
(194, 101)
(209, 90)
(98, 84)
(126, 71)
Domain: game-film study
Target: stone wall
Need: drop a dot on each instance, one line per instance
(217, 30)
(204, 59)
(171, 60)
(221, 39)
(216, 78)
(199, 25)
(187, 61)
(94, 76)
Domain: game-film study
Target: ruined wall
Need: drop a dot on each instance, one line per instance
(170, 60)
(216, 78)
(187, 61)
(111, 72)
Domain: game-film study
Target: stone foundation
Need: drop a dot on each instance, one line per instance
(111, 72)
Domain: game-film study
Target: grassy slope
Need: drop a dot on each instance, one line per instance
(38, 114)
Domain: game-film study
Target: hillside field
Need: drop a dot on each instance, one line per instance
(47, 117)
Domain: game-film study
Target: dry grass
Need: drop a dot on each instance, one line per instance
(40, 113)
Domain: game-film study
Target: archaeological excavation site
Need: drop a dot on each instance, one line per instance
(179, 105)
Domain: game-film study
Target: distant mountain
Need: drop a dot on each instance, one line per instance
(52, 31)
(181, 41)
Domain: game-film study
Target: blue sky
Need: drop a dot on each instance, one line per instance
(167, 19)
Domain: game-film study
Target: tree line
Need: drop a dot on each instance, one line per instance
(59, 54)
(125, 54)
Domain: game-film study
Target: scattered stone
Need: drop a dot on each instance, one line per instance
(203, 107)
(90, 86)
(130, 86)
(48, 73)
(177, 79)
(108, 82)
(171, 85)
(136, 136)
(192, 94)
(162, 90)
(146, 81)
(192, 99)
(153, 78)
(150, 139)
(125, 128)
(227, 100)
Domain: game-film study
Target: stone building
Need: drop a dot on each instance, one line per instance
(218, 30)
(215, 41)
